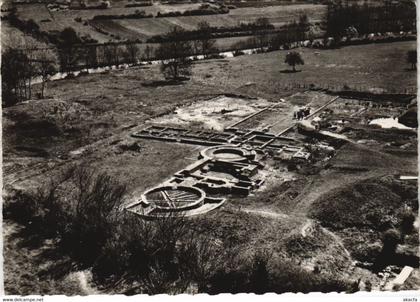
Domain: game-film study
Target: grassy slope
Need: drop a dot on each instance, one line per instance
(364, 204)
(25, 266)
(12, 37)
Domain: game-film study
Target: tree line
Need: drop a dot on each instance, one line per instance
(19, 67)
(390, 17)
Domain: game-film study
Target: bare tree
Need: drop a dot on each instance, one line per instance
(111, 54)
(132, 52)
(19, 67)
(91, 56)
(412, 58)
(174, 54)
(205, 45)
(148, 53)
(261, 32)
(15, 75)
(47, 65)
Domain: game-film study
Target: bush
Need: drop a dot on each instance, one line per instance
(204, 9)
(407, 222)
(288, 277)
(261, 273)
(390, 240)
(155, 252)
(78, 207)
(367, 252)
(97, 197)
(199, 258)
(138, 14)
(139, 4)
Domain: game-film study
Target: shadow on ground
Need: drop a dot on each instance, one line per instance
(290, 71)
(160, 83)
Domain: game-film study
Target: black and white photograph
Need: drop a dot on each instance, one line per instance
(209, 147)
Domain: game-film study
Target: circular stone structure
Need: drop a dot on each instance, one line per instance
(229, 153)
(174, 198)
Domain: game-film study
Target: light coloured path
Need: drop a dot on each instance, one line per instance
(267, 214)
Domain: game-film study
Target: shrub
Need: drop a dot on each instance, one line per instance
(367, 252)
(407, 222)
(139, 4)
(92, 215)
(390, 240)
(198, 258)
(78, 206)
(288, 277)
(204, 9)
(138, 14)
(142, 249)
(125, 250)
(259, 273)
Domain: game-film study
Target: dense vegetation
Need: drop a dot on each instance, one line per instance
(204, 9)
(391, 17)
(138, 14)
(374, 206)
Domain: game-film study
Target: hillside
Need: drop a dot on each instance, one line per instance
(144, 28)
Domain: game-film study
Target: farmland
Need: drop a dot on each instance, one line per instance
(134, 29)
(11, 36)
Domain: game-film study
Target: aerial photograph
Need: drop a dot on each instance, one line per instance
(209, 146)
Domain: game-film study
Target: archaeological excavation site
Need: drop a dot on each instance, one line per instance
(231, 160)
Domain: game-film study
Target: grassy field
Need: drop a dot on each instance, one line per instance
(12, 37)
(359, 67)
(145, 28)
(89, 119)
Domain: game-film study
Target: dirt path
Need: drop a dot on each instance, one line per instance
(338, 240)
(306, 230)
(267, 214)
(83, 279)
